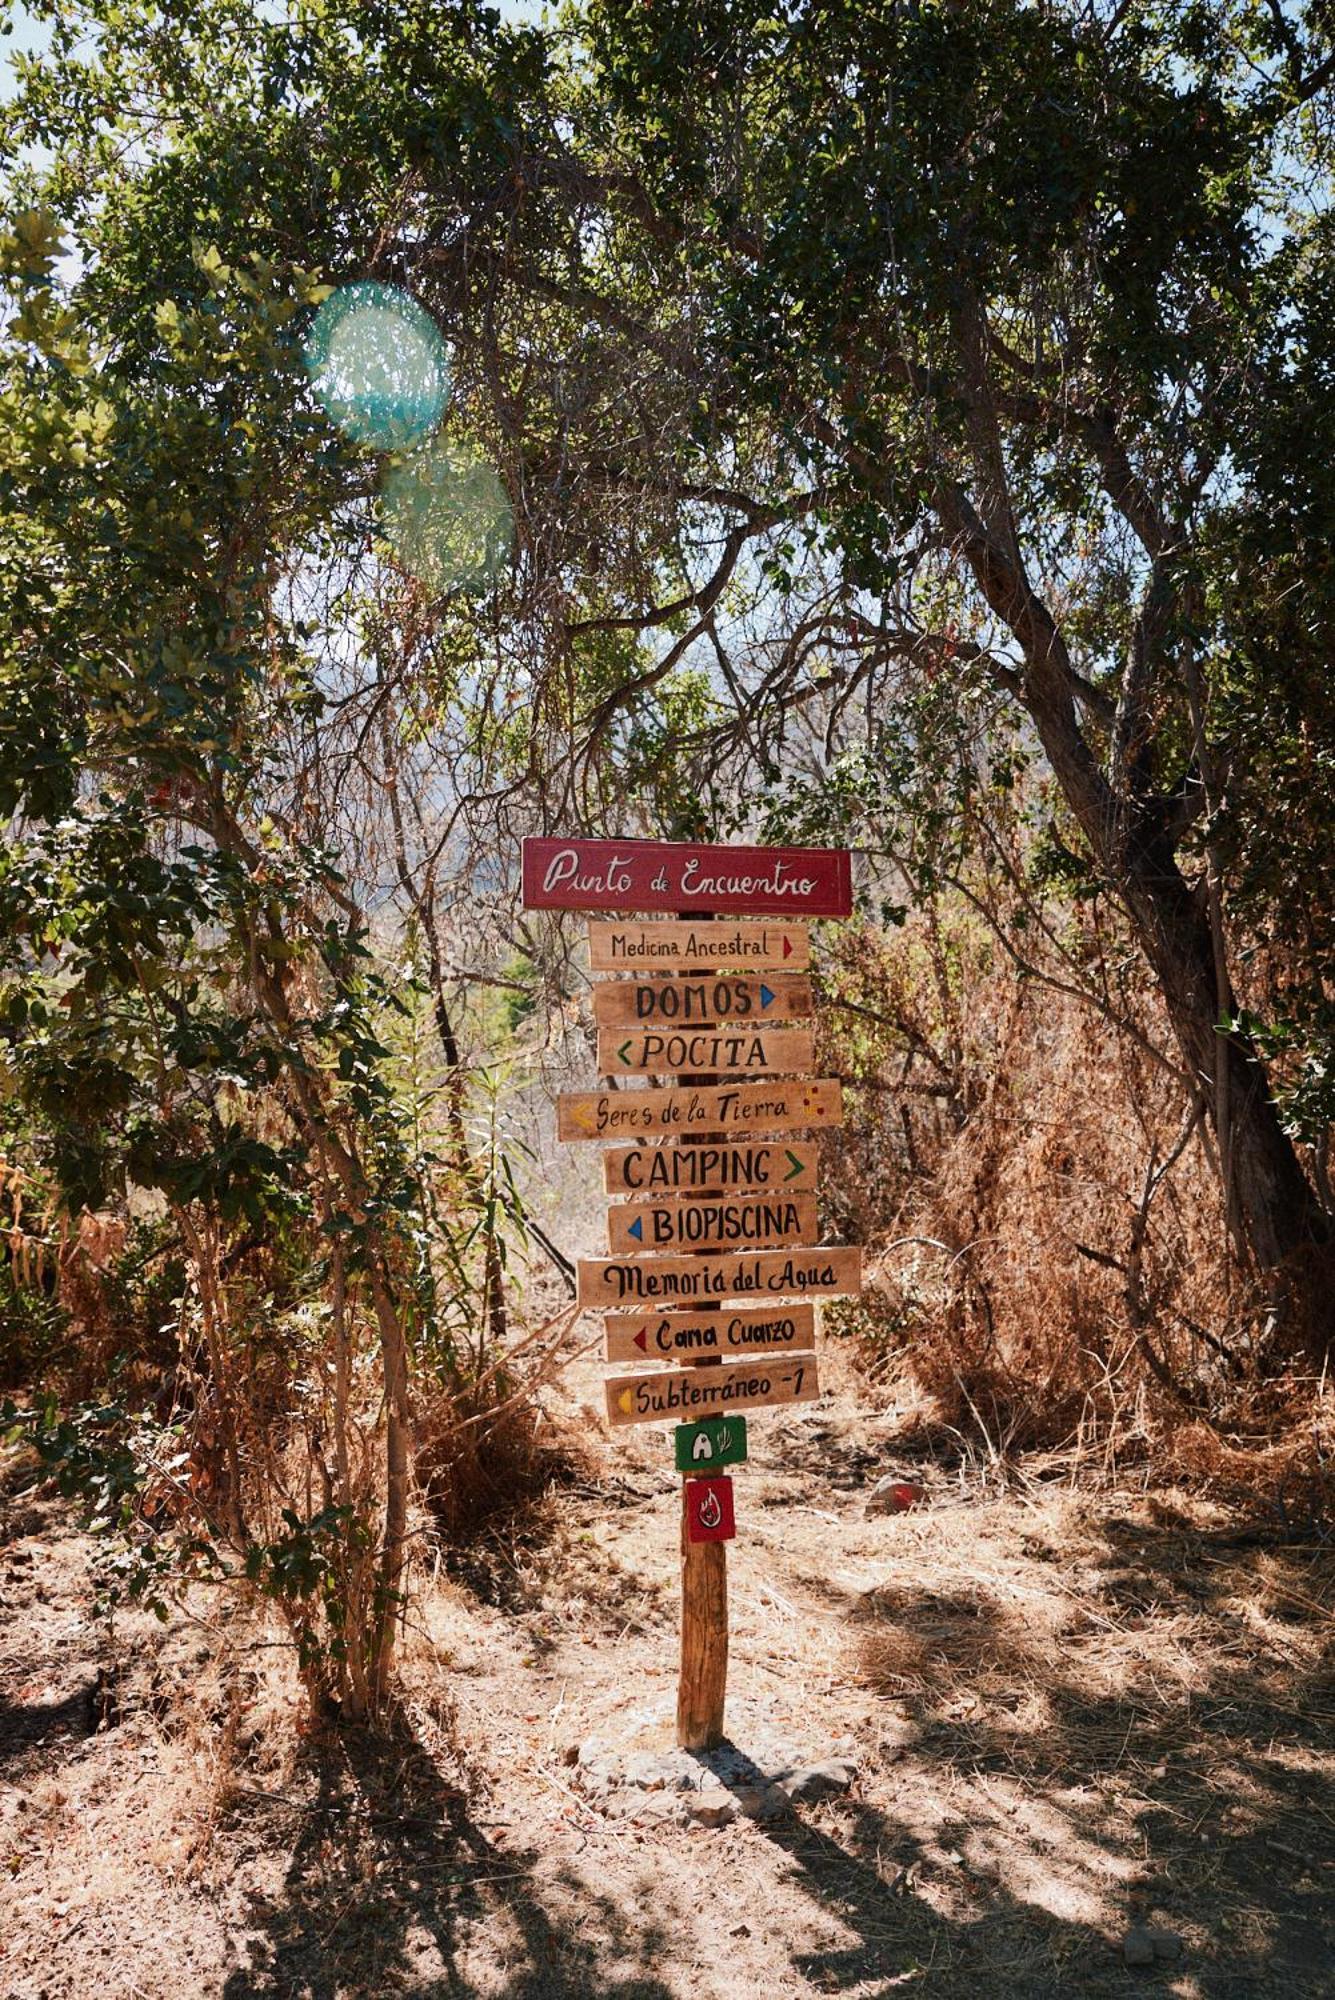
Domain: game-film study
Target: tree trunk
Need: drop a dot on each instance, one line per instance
(1279, 1222)
(1278, 1216)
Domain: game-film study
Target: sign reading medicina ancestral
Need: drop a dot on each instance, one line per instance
(716, 1258)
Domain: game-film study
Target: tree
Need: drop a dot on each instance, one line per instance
(1001, 313)
(946, 357)
(188, 1001)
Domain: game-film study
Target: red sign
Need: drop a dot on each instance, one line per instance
(709, 1515)
(678, 875)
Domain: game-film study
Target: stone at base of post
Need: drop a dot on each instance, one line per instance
(703, 1680)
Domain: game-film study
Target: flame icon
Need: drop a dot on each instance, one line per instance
(710, 1512)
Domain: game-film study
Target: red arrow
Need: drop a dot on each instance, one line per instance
(787, 949)
(642, 1341)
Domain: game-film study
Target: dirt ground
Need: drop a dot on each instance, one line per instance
(1073, 1706)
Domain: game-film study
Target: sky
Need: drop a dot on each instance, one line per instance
(24, 36)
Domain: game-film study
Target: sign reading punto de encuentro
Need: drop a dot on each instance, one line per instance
(715, 1247)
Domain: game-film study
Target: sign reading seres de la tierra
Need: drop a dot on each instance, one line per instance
(678, 875)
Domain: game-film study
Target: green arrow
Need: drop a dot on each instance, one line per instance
(798, 1166)
(622, 1050)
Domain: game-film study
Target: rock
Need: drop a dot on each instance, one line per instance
(892, 1495)
(713, 1812)
(762, 1801)
(1167, 1944)
(1138, 1947)
(660, 1810)
(646, 1771)
(818, 1781)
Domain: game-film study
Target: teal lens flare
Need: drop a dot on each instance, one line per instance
(446, 515)
(378, 366)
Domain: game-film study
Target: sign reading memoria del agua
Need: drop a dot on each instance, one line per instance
(716, 1250)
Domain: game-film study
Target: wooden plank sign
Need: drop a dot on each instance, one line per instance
(681, 875)
(640, 1003)
(709, 1510)
(706, 1446)
(671, 1394)
(778, 1274)
(695, 1222)
(688, 947)
(731, 1108)
(695, 1051)
(696, 1168)
(689, 1336)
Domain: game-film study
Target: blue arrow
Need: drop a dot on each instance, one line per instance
(766, 997)
(637, 1229)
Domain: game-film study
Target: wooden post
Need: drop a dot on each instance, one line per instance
(702, 1678)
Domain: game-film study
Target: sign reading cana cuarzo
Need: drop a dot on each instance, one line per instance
(679, 875)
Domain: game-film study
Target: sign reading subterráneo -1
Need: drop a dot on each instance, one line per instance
(675, 1393)
(680, 875)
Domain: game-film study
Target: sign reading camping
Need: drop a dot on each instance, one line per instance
(672, 1168)
(678, 875)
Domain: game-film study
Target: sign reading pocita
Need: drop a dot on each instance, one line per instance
(747, 1051)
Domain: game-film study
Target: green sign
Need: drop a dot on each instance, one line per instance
(703, 1447)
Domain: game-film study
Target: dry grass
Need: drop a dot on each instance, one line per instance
(1002, 1138)
(489, 1458)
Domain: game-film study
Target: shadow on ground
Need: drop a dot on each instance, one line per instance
(392, 1888)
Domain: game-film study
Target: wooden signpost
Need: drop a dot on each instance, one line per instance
(715, 1256)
